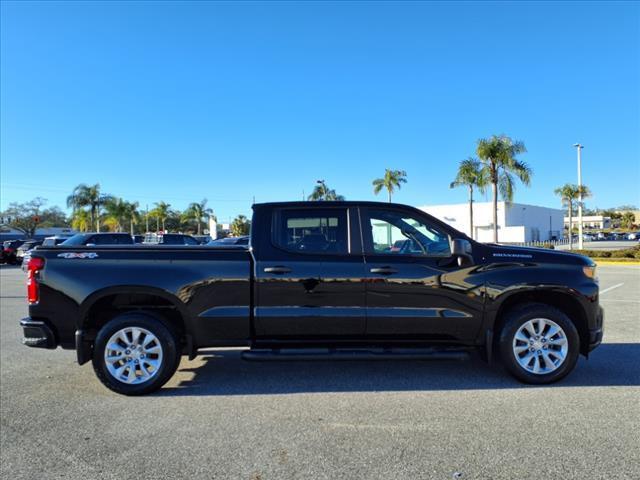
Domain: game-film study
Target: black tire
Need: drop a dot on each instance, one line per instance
(514, 320)
(168, 341)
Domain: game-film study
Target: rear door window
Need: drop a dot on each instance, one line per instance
(312, 230)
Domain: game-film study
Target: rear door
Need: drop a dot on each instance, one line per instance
(310, 276)
(415, 288)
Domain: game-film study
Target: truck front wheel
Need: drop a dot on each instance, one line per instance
(539, 344)
(135, 354)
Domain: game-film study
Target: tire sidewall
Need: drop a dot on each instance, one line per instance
(167, 339)
(515, 320)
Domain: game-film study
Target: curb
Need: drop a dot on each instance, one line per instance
(609, 262)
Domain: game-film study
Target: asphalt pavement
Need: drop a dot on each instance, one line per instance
(223, 418)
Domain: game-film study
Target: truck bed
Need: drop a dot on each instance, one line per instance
(210, 287)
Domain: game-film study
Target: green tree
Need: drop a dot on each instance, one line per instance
(391, 180)
(322, 192)
(81, 220)
(115, 212)
(53, 217)
(119, 213)
(240, 226)
(132, 215)
(470, 175)
(161, 212)
(628, 220)
(570, 195)
(25, 216)
(89, 196)
(198, 211)
(498, 155)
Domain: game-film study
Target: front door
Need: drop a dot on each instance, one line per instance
(415, 288)
(310, 277)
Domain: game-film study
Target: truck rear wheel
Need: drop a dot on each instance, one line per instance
(539, 344)
(135, 354)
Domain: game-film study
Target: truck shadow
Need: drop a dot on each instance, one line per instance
(223, 372)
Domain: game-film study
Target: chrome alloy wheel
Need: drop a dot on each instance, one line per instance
(133, 355)
(540, 346)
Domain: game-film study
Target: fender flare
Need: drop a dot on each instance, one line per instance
(492, 318)
(96, 296)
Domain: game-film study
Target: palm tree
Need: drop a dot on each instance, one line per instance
(161, 212)
(116, 211)
(392, 179)
(498, 154)
(132, 214)
(80, 220)
(240, 226)
(323, 193)
(570, 193)
(628, 219)
(197, 211)
(89, 196)
(470, 174)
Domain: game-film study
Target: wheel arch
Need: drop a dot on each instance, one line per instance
(104, 304)
(562, 299)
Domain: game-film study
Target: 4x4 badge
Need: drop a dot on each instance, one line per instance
(78, 255)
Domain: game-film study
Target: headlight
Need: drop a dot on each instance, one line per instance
(590, 272)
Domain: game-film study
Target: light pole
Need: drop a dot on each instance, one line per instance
(579, 148)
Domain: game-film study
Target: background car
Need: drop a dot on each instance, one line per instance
(202, 239)
(230, 241)
(93, 239)
(55, 240)
(24, 248)
(9, 249)
(170, 239)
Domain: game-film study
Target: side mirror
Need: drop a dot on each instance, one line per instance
(461, 248)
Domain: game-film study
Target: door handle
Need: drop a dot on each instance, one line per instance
(383, 270)
(278, 270)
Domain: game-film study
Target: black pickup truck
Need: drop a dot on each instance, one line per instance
(359, 280)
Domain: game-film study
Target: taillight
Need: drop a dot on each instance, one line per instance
(33, 267)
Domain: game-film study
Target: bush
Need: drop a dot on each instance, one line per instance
(633, 252)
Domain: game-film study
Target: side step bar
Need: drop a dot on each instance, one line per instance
(308, 354)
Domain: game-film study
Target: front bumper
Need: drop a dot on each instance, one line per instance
(37, 334)
(596, 334)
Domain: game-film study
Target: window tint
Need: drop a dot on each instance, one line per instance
(313, 230)
(101, 240)
(172, 240)
(190, 241)
(396, 233)
(78, 239)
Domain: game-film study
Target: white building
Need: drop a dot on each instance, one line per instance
(589, 221)
(517, 222)
(8, 233)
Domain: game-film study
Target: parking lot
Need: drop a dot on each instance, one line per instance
(223, 418)
(601, 245)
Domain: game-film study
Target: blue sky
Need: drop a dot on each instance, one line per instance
(230, 101)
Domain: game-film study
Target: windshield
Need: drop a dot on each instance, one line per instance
(77, 239)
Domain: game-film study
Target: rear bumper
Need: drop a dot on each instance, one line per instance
(596, 334)
(36, 333)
